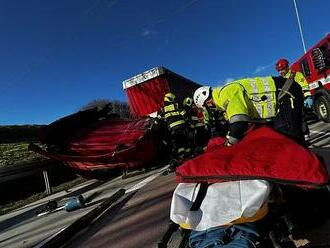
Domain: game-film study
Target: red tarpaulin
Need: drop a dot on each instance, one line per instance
(146, 91)
(262, 154)
(111, 143)
(147, 97)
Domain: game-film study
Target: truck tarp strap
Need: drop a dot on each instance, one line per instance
(200, 196)
(285, 88)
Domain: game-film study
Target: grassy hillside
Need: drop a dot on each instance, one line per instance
(14, 141)
(19, 133)
(17, 154)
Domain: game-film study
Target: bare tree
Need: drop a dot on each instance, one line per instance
(118, 107)
(97, 103)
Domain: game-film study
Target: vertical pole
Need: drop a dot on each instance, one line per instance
(299, 24)
(48, 188)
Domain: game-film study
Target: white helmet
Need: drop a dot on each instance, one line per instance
(201, 95)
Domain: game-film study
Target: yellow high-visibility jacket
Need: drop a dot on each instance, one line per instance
(247, 99)
(301, 80)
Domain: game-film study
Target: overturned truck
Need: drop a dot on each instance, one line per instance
(97, 140)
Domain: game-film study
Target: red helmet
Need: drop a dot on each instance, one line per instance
(281, 64)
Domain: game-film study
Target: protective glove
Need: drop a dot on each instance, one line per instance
(230, 140)
(308, 102)
(227, 143)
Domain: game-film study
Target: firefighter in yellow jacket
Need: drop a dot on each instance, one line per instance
(176, 126)
(195, 126)
(282, 66)
(215, 122)
(256, 100)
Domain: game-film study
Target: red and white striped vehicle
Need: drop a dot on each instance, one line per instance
(315, 65)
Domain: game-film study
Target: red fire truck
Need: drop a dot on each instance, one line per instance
(315, 65)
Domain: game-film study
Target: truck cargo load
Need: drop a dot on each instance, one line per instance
(93, 141)
(97, 140)
(146, 90)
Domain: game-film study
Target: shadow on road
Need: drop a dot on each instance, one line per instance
(13, 221)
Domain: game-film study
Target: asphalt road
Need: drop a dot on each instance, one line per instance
(319, 134)
(139, 219)
(24, 228)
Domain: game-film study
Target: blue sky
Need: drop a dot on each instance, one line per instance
(56, 56)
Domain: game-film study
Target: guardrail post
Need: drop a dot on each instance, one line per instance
(48, 188)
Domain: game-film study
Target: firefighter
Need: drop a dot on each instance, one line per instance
(215, 122)
(282, 66)
(252, 100)
(176, 125)
(195, 127)
(190, 117)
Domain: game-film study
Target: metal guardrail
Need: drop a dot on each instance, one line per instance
(20, 171)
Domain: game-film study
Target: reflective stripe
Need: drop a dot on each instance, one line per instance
(266, 84)
(307, 93)
(237, 118)
(176, 123)
(253, 84)
(169, 108)
(181, 149)
(199, 124)
(175, 113)
(270, 107)
(292, 105)
(305, 87)
(269, 102)
(287, 92)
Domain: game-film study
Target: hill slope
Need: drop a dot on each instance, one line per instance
(14, 141)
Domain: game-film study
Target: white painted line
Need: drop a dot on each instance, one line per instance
(51, 211)
(319, 132)
(147, 180)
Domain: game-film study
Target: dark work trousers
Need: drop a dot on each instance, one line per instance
(190, 138)
(289, 119)
(305, 125)
(200, 137)
(179, 141)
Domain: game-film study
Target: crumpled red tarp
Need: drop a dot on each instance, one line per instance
(262, 154)
(148, 97)
(108, 144)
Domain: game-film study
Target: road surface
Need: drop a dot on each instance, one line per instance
(138, 219)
